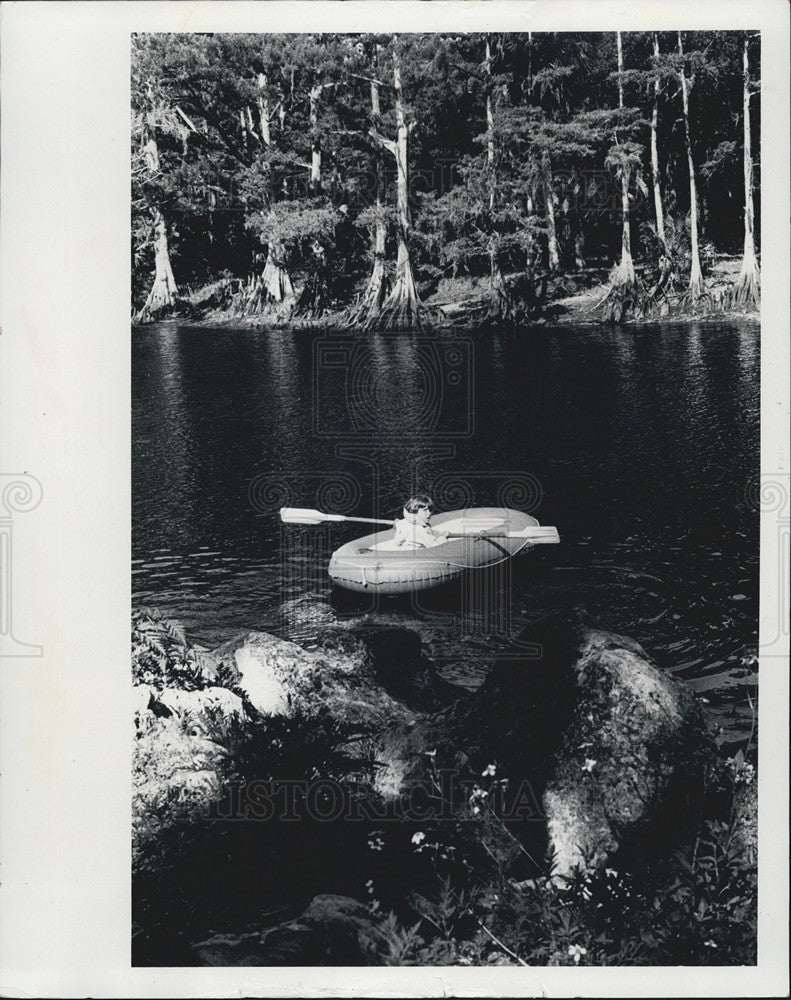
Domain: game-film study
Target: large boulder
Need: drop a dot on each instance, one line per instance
(629, 769)
(369, 678)
(177, 774)
(595, 742)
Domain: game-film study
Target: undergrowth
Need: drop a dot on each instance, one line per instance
(697, 907)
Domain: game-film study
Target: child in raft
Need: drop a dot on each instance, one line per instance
(414, 532)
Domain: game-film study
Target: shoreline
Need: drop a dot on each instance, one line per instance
(561, 310)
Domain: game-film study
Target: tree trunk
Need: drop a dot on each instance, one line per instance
(696, 287)
(625, 292)
(490, 127)
(243, 126)
(315, 299)
(378, 288)
(276, 279)
(401, 310)
(281, 109)
(164, 290)
(530, 60)
(263, 110)
(575, 226)
(271, 288)
(495, 275)
(315, 139)
(549, 200)
(658, 209)
(746, 292)
(627, 264)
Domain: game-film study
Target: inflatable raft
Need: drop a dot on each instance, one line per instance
(376, 564)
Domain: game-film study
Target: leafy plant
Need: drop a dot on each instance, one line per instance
(161, 656)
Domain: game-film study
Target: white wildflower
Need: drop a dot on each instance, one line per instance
(418, 838)
(589, 764)
(489, 771)
(576, 952)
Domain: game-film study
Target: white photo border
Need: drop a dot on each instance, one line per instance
(65, 740)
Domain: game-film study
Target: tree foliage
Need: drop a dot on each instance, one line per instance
(517, 144)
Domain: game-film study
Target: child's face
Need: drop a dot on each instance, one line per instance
(422, 516)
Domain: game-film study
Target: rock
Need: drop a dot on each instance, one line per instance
(630, 762)
(146, 708)
(230, 949)
(178, 765)
(366, 678)
(395, 659)
(179, 751)
(142, 695)
(586, 730)
(333, 930)
(310, 612)
(177, 774)
(601, 753)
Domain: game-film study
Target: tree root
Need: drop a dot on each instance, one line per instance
(271, 291)
(161, 300)
(371, 302)
(746, 292)
(697, 299)
(625, 298)
(401, 310)
(314, 299)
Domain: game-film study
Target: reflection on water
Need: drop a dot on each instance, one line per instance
(639, 445)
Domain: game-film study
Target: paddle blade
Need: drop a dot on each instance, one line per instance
(544, 534)
(304, 515)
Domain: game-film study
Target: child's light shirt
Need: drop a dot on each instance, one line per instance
(416, 536)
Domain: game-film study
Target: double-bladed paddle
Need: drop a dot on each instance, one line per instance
(303, 515)
(538, 534)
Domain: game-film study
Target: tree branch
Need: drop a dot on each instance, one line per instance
(186, 119)
(370, 79)
(388, 144)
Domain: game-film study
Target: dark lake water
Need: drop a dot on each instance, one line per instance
(641, 445)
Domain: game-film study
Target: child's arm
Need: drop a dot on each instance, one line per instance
(434, 537)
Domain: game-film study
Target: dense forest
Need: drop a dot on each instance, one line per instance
(288, 176)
